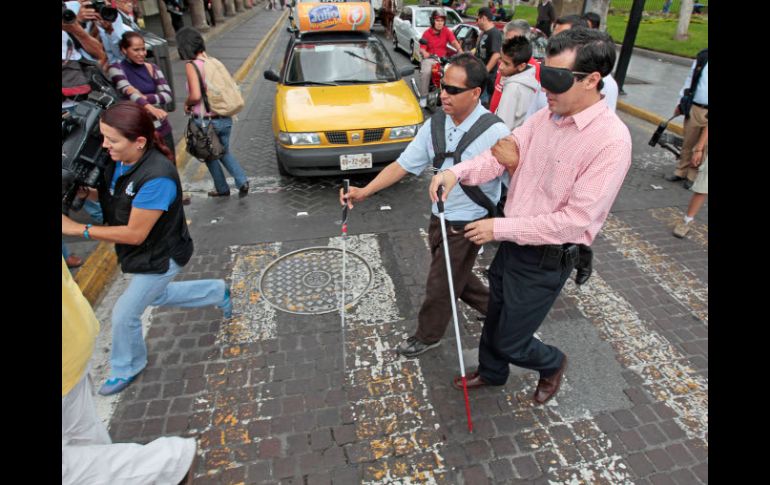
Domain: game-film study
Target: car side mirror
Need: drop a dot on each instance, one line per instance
(271, 75)
(406, 71)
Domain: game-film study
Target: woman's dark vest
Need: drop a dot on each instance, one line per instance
(168, 238)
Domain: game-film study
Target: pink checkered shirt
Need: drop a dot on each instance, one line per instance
(570, 171)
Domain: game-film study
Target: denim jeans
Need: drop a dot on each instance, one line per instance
(129, 352)
(223, 126)
(94, 209)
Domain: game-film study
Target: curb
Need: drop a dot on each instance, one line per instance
(97, 271)
(101, 265)
(653, 118)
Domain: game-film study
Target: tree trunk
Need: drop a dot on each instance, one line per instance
(685, 12)
(600, 7)
(165, 23)
(218, 8)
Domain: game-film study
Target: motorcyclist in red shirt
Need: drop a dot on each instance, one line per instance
(438, 36)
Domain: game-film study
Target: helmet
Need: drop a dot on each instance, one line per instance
(438, 13)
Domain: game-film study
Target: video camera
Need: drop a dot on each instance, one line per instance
(669, 141)
(83, 158)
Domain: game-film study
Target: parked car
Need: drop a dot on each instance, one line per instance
(341, 105)
(412, 22)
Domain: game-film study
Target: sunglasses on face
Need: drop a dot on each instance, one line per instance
(559, 80)
(452, 90)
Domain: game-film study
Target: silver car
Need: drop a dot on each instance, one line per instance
(412, 22)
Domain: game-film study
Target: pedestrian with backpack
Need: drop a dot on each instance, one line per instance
(463, 128)
(213, 98)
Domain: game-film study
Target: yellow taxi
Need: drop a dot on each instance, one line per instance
(341, 105)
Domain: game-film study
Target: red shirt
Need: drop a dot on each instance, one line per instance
(437, 42)
(498, 92)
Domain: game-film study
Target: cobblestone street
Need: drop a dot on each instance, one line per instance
(270, 400)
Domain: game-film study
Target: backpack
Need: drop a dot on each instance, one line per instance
(439, 145)
(224, 95)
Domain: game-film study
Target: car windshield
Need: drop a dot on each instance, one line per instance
(340, 63)
(422, 18)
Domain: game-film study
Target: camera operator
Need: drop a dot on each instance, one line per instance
(142, 198)
(77, 44)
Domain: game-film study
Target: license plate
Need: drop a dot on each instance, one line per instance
(359, 160)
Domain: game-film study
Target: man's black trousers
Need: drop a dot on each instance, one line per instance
(522, 288)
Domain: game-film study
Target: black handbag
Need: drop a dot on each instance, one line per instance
(203, 142)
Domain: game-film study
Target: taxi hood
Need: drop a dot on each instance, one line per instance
(347, 107)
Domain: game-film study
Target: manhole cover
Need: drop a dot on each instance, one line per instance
(309, 281)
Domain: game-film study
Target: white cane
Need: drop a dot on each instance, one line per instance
(345, 188)
(440, 204)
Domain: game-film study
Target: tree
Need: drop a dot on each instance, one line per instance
(685, 12)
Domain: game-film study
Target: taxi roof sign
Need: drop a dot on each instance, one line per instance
(336, 16)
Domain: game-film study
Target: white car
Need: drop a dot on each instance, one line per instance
(412, 22)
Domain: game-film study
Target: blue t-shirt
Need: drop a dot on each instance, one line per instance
(155, 194)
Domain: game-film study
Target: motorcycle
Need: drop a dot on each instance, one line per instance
(433, 99)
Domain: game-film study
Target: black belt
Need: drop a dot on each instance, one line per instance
(460, 224)
(704, 106)
(554, 255)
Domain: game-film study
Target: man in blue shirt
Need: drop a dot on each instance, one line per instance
(461, 88)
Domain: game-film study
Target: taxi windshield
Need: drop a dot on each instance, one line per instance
(340, 63)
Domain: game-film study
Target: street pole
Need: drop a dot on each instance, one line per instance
(634, 19)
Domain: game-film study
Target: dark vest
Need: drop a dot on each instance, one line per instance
(169, 237)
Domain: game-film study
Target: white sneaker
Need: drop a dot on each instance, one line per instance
(681, 229)
(423, 103)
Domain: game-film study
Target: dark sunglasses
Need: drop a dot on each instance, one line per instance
(452, 90)
(559, 80)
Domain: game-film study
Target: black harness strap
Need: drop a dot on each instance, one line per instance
(439, 146)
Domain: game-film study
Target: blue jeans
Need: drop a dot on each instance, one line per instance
(129, 352)
(64, 251)
(94, 209)
(223, 126)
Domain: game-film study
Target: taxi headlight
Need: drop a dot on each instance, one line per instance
(299, 138)
(403, 132)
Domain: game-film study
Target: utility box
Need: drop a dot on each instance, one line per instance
(157, 53)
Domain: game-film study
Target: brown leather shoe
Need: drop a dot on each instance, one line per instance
(473, 381)
(547, 387)
(214, 193)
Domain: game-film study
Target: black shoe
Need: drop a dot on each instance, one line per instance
(244, 190)
(673, 178)
(687, 184)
